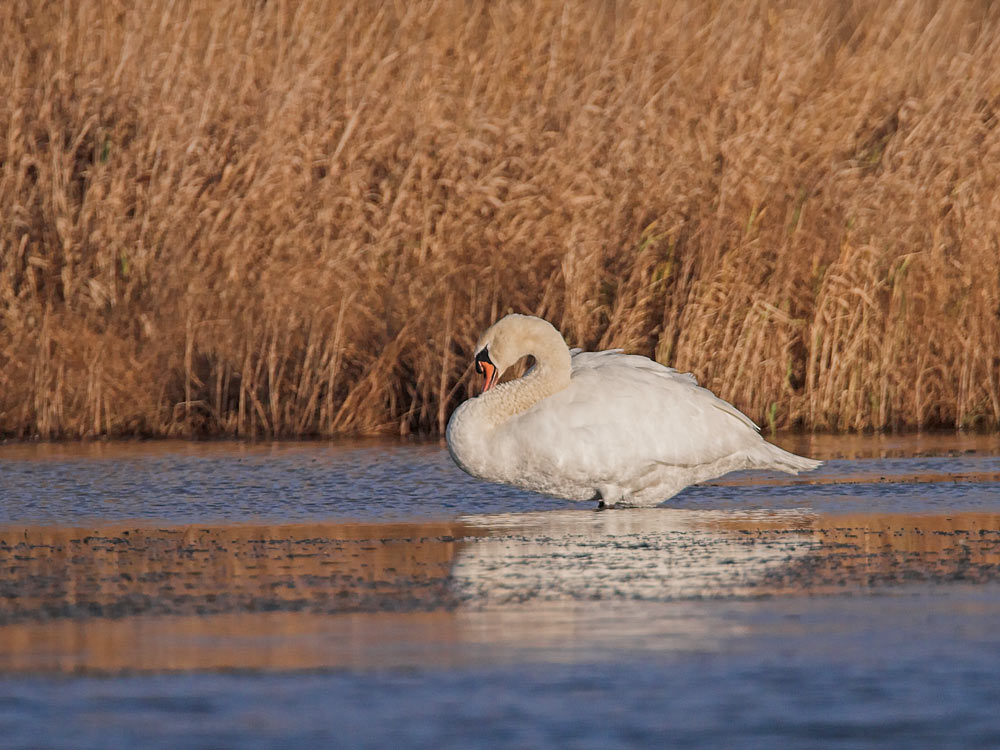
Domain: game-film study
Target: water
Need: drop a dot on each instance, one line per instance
(229, 482)
(367, 594)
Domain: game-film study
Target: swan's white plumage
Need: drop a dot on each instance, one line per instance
(620, 428)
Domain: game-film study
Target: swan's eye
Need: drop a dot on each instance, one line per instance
(483, 357)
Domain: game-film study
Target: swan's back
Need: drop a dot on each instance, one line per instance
(637, 369)
(628, 405)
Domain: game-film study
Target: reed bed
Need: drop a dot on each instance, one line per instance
(295, 218)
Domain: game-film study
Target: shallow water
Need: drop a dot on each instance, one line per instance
(368, 593)
(208, 482)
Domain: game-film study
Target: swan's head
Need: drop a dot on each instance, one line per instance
(511, 338)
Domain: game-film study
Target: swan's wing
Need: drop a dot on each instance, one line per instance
(625, 410)
(642, 371)
(612, 359)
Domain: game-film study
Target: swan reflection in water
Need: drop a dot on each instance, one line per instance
(639, 554)
(659, 554)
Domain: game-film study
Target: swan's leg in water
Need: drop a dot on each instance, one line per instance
(601, 505)
(607, 497)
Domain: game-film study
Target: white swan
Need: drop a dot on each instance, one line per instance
(617, 428)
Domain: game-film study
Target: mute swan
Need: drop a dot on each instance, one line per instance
(617, 428)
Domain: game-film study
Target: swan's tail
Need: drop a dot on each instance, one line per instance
(773, 457)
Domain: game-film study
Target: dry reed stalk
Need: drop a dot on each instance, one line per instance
(263, 219)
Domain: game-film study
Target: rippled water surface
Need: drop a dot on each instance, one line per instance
(365, 594)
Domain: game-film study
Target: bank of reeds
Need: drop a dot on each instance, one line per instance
(274, 218)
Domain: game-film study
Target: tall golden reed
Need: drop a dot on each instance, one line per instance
(266, 217)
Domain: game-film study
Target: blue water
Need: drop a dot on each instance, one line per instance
(843, 676)
(887, 666)
(690, 701)
(211, 482)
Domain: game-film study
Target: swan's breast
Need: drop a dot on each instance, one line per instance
(466, 436)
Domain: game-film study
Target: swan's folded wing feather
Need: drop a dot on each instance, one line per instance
(637, 368)
(629, 411)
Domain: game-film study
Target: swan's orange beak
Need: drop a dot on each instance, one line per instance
(487, 369)
(490, 375)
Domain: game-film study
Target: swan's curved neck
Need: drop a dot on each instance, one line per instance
(550, 374)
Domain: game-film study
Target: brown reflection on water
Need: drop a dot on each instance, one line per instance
(115, 571)
(232, 641)
(118, 598)
(927, 477)
(128, 449)
(888, 445)
(868, 550)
